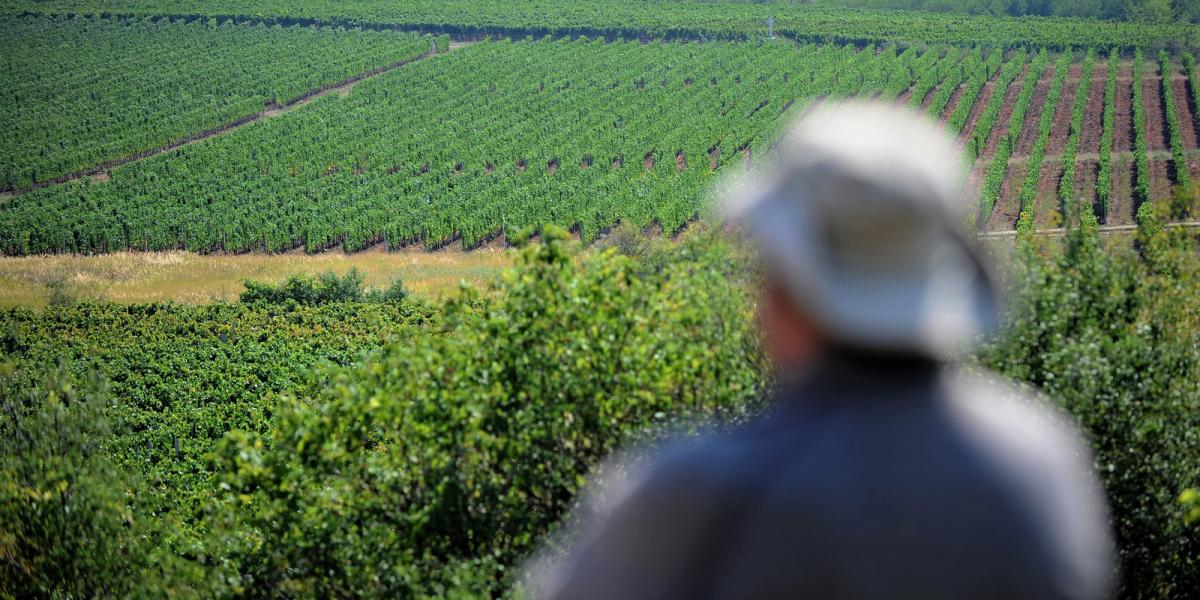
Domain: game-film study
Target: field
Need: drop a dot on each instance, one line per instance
(516, 135)
(138, 278)
(120, 87)
(200, 397)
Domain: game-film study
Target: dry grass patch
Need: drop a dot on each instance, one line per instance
(137, 277)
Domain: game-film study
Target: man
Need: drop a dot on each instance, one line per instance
(882, 472)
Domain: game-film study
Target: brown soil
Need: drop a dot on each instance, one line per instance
(1156, 125)
(1008, 207)
(1160, 180)
(1093, 113)
(648, 161)
(552, 166)
(981, 102)
(1061, 129)
(101, 177)
(1122, 210)
(749, 160)
(1000, 127)
(713, 155)
(953, 103)
(1029, 129)
(1047, 211)
(902, 99)
(928, 99)
(1183, 108)
(1123, 129)
(680, 161)
(617, 163)
(1085, 183)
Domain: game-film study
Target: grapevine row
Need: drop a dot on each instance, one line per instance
(1141, 162)
(1104, 189)
(1178, 158)
(650, 20)
(994, 179)
(1066, 184)
(983, 127)
(1033, 163)
(978, 79)
(118, 87)
(498, 137)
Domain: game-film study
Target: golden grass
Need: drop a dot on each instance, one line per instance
(136, 277)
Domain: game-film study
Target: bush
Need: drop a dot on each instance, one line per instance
(69, 522)
(437, 466)
(1115, 338)
(325, 288)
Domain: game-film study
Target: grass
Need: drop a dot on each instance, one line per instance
(139, 277)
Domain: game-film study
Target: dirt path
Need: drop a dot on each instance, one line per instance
(1160, 180)
(1086, 173)
(1033, 115)
(1093, 113)
(341, 88)
(981, 101)
(1122, 209)
(1156, 125)
(1008, 206)
(1103, 229)
(1123, 127)
(1183, 108)
(1061, 129)
(953, 103)
(1047, 210)
(1000, 127)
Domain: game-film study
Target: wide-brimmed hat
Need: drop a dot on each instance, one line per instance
(860, 216)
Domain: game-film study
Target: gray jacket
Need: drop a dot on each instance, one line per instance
(869, 480)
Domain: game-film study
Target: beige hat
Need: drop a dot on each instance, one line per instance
(860, 217)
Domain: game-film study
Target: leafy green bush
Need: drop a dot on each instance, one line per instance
(325, 288)
(451, 458)
(68, 519)
(1115, 338)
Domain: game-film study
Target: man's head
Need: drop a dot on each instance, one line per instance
(859, 223)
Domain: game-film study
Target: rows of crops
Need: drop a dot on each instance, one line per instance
(497, 136)
(503, 137)
(648, 19)
(118, 87)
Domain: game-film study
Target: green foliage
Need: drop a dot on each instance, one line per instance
(1033, 163)
(512, 135)
(432, 465)
(83, 91)
(1174, 135)
(67, 528)
(1141, 162)
(994, 180)
(1066, 185)
(705, 20)
(1104, 188)
(325, 288)
(1115, 339)
(987, 120)
(458, 454)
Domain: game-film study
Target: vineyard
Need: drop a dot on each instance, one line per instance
(502, 137)
(648, 19)
(119, 87)
(351, 436)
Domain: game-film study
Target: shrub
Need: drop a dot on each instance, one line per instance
(325, 288)
(1115, 338)
(438, 465)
